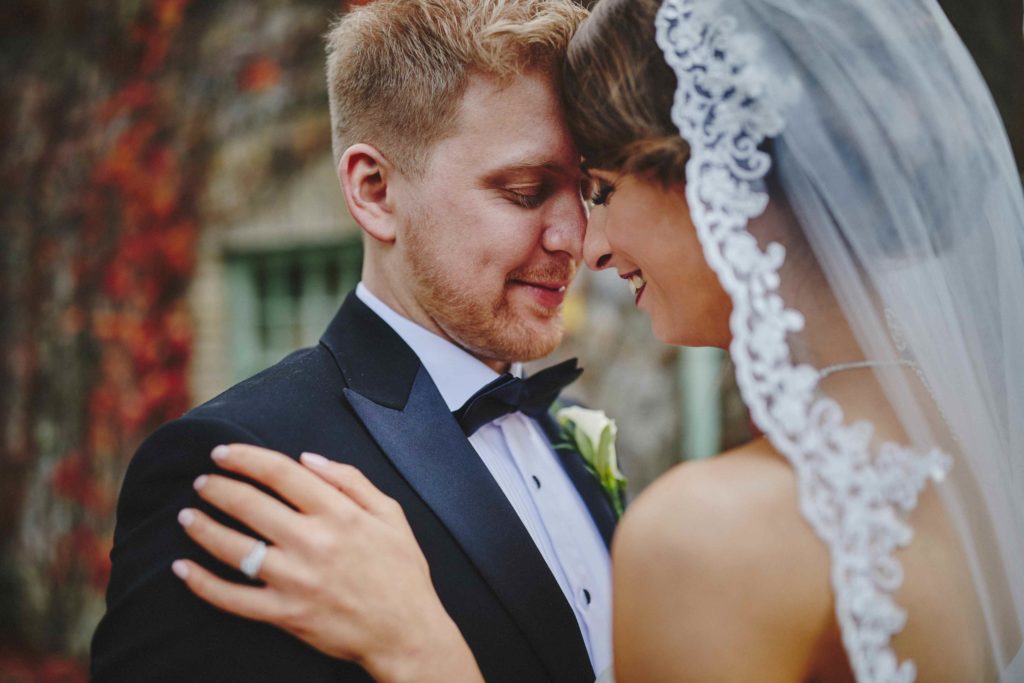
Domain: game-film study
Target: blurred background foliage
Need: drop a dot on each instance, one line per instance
(159, 238)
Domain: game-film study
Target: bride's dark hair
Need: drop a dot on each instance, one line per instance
(618, 90)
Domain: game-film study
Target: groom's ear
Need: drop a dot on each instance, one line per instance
(364, 174)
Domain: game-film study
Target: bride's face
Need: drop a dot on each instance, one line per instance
(644, 231)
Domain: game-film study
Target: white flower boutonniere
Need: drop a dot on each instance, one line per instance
(592, 434)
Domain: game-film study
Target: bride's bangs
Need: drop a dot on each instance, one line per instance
(617, 91)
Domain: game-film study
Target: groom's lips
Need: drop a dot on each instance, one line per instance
(547, 294)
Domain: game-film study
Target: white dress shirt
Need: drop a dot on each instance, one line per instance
(523, 464)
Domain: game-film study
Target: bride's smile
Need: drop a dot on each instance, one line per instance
(637, 283)
(641, 227)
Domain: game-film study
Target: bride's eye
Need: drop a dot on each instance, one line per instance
(602, 193)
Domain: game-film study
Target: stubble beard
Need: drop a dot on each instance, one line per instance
(490, 330)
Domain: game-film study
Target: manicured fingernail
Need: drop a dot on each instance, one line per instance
(200, 482)
(220, 453)
(313, 460)
(180, 569)
(186, 517)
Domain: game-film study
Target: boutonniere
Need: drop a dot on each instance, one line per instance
(591, 433)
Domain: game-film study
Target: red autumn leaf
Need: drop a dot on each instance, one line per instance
(169, 13)
(133, 96)
(72, 479)
(258, 75)
(60, 670)
(178, 248)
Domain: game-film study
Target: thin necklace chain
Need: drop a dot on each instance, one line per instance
(902, 362)
(859, 365)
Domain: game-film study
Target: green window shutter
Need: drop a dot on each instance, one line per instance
(283, 300)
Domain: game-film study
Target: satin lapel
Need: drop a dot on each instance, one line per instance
(427, 446)
(372, 358)
(586, 483)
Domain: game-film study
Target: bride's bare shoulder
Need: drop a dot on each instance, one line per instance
(715, 557)
(719, 504)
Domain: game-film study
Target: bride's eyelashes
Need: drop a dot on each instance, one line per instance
(602, 192)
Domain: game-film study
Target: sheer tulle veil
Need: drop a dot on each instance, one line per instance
(853, 187)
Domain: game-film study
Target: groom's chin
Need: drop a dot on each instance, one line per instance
(537, 337)
(518, 339)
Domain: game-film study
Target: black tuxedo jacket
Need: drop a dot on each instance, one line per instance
(362, 397)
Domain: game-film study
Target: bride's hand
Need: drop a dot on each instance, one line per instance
(343, 571)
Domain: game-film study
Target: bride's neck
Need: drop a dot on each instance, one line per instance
(826, 339)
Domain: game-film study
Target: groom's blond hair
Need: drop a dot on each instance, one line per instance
(397, 69)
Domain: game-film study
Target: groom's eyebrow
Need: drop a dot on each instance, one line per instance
(527, 168)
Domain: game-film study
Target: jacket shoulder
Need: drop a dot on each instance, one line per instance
(304, 376)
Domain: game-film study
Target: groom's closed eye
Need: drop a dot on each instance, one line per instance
(529, 197)
(529, 185)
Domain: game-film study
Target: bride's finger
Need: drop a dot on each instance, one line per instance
(227, 545)
(262, 513)
(282, 474)
(246, 601)
(353, 483)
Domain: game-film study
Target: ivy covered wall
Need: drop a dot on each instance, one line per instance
(113, 115)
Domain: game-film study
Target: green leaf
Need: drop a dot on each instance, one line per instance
(604, 464)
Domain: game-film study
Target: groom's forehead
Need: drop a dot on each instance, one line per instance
(523, 113)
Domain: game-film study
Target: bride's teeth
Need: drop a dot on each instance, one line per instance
(636, 283)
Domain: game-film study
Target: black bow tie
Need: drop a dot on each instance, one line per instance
(507, 394)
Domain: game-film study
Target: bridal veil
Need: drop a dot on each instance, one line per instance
(853, 187)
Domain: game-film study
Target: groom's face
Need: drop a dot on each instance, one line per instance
(494, 228)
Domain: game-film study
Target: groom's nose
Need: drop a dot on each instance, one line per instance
(565, 226)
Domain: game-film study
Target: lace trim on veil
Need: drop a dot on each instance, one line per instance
(856, 501)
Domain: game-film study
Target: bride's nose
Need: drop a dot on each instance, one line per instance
(596, 252)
